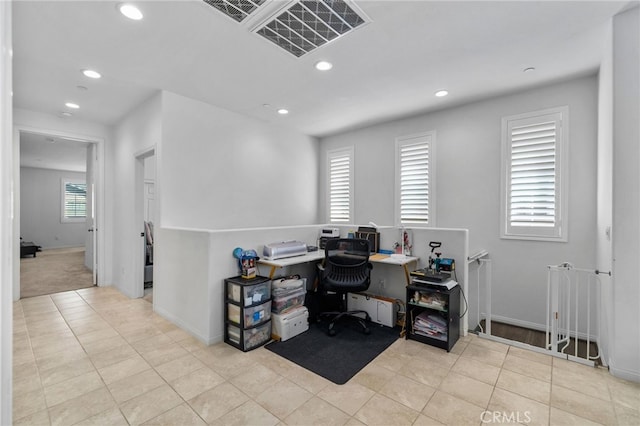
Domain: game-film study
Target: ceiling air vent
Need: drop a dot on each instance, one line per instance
(236, 9)
(309, 24)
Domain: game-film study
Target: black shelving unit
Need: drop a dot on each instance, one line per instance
(247, 312)
(437, 312)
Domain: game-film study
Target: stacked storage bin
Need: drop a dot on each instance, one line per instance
(289, 315)
(247, 312)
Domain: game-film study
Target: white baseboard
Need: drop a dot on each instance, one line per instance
(195, 333)
(633, 376)
(518, 323)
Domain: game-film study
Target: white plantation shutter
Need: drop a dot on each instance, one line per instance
(532, 195)
(532, 189)
(414, 163)
(74, 201)
(340, 186)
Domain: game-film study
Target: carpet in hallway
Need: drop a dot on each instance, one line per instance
(53, 271)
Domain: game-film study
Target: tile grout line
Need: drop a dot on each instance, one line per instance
(88, 357)
(134, 311)
(151, 367)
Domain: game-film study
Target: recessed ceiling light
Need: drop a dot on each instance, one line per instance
(91, 73)
(130, 11)
(283, 111)
(66, 114)
(529, 69)
(441, 93)
(72, 105)
(324, 66)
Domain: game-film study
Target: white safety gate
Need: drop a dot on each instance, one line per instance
(573, 310)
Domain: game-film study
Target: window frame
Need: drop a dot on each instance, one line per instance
(331, 155)
(428, 138)
(558, 232)
(63, 192)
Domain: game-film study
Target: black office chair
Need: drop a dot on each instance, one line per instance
(346, 269)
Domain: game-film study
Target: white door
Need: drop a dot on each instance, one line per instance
(149, 200)
(90, 253)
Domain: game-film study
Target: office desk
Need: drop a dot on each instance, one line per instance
(316, 256)
(312, 256)
(400, 260)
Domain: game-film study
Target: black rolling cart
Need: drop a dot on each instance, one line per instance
(433, 314)
(247, 312)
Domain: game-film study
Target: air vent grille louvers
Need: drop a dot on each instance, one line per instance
(309, 24)
(236, 9)
(302, 27)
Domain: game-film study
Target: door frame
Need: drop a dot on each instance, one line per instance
(138, 214)
(100, 212)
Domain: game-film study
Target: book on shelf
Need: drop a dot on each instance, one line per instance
(430, 325)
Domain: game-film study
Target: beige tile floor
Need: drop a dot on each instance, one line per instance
(95, 357)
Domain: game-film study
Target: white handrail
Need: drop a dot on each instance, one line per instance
(481, 259)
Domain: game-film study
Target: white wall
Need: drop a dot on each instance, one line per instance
(182, 280)
(219, 169)
(40, 209)
(7, 235)
(604, 193)
(625, 360)
(138, 131)
(468, 186)
(191, 266)
(214, 170)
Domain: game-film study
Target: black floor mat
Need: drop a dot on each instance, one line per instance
(336, 358)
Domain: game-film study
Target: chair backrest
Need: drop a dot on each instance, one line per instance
(347, 267)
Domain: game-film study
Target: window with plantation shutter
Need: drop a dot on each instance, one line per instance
(533, 152)
(74, 201)
(340, 192)
(414, 180)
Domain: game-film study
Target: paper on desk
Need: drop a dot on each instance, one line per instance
(378, 257)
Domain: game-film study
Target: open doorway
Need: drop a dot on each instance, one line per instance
(57, 213)
(146, 216)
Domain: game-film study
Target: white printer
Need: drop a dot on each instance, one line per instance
(330, 233)
(284, 249)
(286, 326)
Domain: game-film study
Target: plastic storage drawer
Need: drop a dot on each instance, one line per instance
(248, 317)
(284, 304)
(249, 291)
(249, 338)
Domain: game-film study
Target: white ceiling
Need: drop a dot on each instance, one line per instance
(390, 67)
(52, 152)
